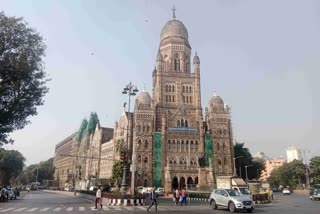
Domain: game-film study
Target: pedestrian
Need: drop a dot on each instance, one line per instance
(177, 196)
(154, 200)
(98, 198)
(184, 197)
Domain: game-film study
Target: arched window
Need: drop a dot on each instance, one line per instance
(172, 88)
(139, 143)
(219, 161)
(169, 141)
(143, 129)
(225, 161)
(190, 89)
(176, 64)
(146, 144)
(182, 123)
(223, 146)
(218, 146)
(173, 99)
(178, 123)
(183, 89)
(146, 160)
(169, 88)
(169, 98)
(187, 99)
(139, 128)
(186, 123)
(190, 99)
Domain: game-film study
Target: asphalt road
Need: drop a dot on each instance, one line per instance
(63, 202)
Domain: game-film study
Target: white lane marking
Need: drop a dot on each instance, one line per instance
(6, 210)
(82, 209)
(93, 208)
(57, 209)
(116, 208)
(20, 209)
(45, 209)
(69, 209)
(33, 209)
(128, 208)
(141, 208)
(105, 208)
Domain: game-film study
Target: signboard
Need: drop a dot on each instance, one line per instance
(182, 129)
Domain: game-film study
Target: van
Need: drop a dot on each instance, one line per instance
(139, 189)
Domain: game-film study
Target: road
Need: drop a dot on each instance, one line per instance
(63, 202)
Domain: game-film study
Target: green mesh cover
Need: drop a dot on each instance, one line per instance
(209, 151)
(93, 121)
(157, 160)
(81, 130)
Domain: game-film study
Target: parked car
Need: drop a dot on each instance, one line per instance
(4, 194)
(315, 193)
(230, 199)
(146, 189)
(139, 189)
(11, 194)
(286, 191)
(160, 191)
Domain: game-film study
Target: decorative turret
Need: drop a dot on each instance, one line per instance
(196, 59)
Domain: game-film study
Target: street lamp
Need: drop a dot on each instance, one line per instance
(247, 172)
(234, 165)
(131, 90)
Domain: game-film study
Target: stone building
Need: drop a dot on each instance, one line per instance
(170, 134)
(64, 165)
(169, 142)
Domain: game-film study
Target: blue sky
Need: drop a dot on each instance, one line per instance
(262, 58)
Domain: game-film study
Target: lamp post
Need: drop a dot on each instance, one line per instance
(247, 172)
(234, 165)
(131, 90)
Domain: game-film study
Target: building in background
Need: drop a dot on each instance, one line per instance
(64, 165)
(270, 165)
(261, 155)
(294, 153)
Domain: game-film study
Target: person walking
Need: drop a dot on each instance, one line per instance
(154, 200)
(177, 196)
(98, 198)
(184, 197)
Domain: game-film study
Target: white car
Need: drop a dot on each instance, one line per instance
(160, 191)
(231, 200)
(139, 189)
(146, 189)
(286, 191)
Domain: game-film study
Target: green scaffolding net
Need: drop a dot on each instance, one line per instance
(157, 160)
(209, 151)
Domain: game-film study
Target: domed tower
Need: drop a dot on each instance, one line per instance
(143, 123)
(178, 112)
(219, 125)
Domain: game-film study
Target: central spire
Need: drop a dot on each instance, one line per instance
(173, 12)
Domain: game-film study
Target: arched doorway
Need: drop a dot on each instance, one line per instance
(175, 183)
(145, 183)
(182, 182)
(190, 183)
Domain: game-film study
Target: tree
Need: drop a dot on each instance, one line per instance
(11, 164)
(44, 169)
(289, 174)
(22, 76)
(315, 169)
(244, 158)
(117, 172)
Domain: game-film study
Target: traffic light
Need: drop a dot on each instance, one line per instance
(122, 153)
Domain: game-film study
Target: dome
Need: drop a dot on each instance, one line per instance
(216, 101)
(144, 98)
(174, 28)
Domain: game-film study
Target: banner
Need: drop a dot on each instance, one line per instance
(209, 151)
(157, 160)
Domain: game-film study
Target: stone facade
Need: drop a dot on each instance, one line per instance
(64, 165)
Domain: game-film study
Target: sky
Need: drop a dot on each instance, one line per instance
(262, 58)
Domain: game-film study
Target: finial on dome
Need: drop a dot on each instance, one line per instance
(173, 12)
(214, 92)
(144, 87)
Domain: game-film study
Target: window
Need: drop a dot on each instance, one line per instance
(169, 88)
(190, 89)
(182, 123)
(190, 99)
(172, 98)
(183, 89)
(146, 160)
(172, 88)
(146, 144)
(186, 123)
(218, 146)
